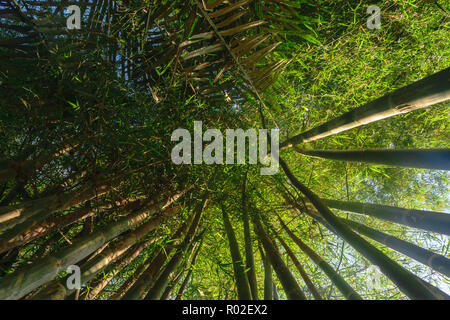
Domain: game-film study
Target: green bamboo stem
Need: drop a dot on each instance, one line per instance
(189, 274)
(19, 220)
(312, 288)
(249, 260)
(242, 285)
(92, 267)
(131, 280)
(148, 277)
(125, 259)
(336, 279)
(437, 159)
(21, 282)
(315, 215)
(290, 285)
(433, 260)
(421, 94)
(405, 280)
(268, 281)
(438, 222)
(171, 267)
(45, 227)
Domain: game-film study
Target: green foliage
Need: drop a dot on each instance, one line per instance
(117, 98)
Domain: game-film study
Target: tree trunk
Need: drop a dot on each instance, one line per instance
(17, 219)
(139, 288)
(184, 285)
(438, 222)
(110, 254)
(421, 94)
(192, 256)
(131, 280)
(275, 292)
(438, 159)
(315, 215)
(46, 247)
(45, 227)
(166, 294)
(125, 259)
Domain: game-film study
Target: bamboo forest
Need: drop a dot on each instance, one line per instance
(338, 188)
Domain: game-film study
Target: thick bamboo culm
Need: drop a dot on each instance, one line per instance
(242, 285)
(152, 269)
(335, 277)
(312, 288)
(436, 159)
(16, 285)
(268, 281)
(421, 94)
(433, 260)
(161, 283)
(438, 222)
(290, 285)
(404, 279)
(249, 260)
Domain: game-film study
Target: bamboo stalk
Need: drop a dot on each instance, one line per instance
(300, 269)
(433, 260)
(405, 280)
(184, 284)
(43, 228)
(21, 282)
(125, 259)
(152, 270)
(336, 279)
(290, 285)
(17, 219)
(438, 222)
(189, 274)
(420, 94)
(131, 280)
(110, 254)
(163, 280)
(268, 281)
(315, 215)
(438, 159)
(169, 289)
(249, 260)
(242, 285)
